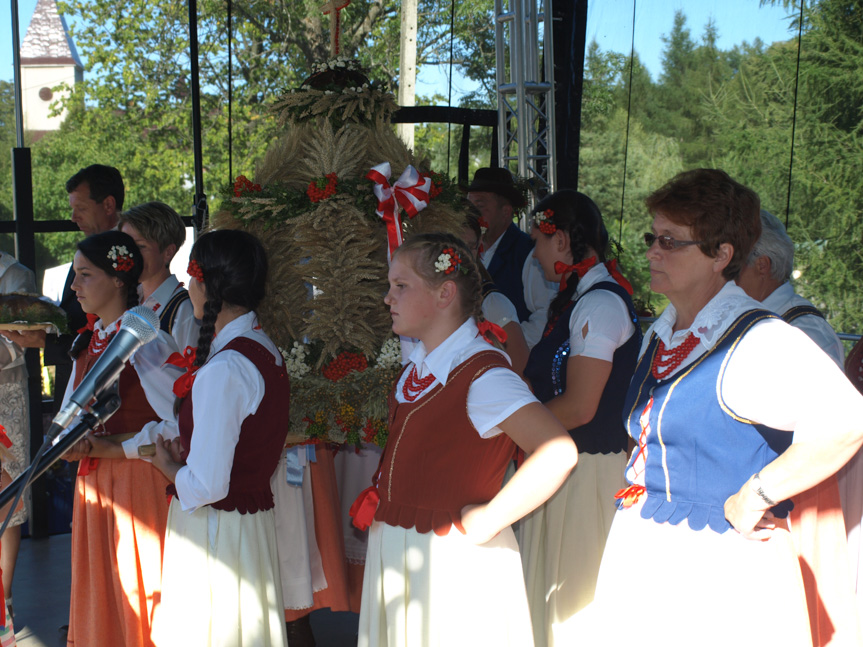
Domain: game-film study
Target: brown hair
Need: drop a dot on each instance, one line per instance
(421, 252)
(716, 208)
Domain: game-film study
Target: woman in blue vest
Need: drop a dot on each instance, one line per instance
(733, 411)
(580, 369)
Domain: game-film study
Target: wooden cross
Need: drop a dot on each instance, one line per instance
(333, 8)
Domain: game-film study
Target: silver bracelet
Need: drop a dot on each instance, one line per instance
(759, 489)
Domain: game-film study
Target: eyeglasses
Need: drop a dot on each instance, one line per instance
(667, 243)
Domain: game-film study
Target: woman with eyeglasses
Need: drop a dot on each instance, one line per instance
(580, 369)
(733, 412)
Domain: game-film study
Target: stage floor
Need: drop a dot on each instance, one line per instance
(41, 599)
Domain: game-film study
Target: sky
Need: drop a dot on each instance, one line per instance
(609, 22)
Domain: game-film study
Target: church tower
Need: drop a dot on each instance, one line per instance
(48, 59)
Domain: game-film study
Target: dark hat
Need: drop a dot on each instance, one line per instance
(499, 181)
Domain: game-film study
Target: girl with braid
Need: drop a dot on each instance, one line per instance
(443, 566)
(120, 511)
(220, 578)
(580, 369)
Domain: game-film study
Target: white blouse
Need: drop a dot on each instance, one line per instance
(777, 376)
(227, 390)
(186, 327)
(605, 316)
(492, 398)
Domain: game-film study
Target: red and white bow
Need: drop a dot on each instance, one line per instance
(410, 192)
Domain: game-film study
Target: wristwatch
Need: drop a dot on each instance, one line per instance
(758, 487)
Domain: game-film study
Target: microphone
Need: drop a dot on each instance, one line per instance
(138, 326)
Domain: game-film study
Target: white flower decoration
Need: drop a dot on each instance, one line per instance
(443, 263)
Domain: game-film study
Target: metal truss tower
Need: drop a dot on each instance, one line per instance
(525, 92)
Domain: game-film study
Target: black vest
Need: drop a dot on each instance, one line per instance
(546, 370)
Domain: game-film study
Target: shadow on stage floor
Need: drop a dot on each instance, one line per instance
(41, 599)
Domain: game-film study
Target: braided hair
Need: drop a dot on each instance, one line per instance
(422, 251)
(234, 267)
(577, 215)
(100, 250)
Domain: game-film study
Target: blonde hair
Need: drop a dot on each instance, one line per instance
(157, 222)
(421, 252)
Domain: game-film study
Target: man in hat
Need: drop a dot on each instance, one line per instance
(508, 250)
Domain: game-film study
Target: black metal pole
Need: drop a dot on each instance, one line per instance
(25, 252)
(200, 211)
(570, 34)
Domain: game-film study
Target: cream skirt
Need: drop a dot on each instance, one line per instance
(422, 590)
(672, 586)
(220, 581)
(562, 542)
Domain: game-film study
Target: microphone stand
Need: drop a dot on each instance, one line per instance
(106, 405)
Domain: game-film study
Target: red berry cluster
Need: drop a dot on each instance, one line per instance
(344, 363)
(194, 270)
(371, 430)
(454, 260)
(124, 264)
(322, 188)
(436, 183)
(545, 226)
(244, 185)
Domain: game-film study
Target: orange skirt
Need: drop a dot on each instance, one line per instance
(818, 531)
(118, 530)
(331, 542)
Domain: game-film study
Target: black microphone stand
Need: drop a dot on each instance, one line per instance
(106, 406)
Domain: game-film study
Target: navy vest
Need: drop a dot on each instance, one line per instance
(546, 370)
(169, 312)
(506, 266)
(795, 312)
(699, 452)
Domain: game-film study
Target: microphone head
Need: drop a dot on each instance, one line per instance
(142, 322)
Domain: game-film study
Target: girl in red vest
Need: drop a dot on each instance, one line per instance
(120, 511)
(443, 567)
(220, 577)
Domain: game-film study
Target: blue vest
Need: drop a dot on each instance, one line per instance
(546, 370)
(169, 312)
(506, 266)
(699, 452)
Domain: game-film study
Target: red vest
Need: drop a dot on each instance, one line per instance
(262, 434)
(435, 461)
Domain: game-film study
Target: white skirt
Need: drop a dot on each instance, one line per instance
(300, 570)
(672, 586)
(422, 590)
(220, 581)
(563, 540)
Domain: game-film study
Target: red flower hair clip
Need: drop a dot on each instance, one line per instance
(121, 259)
(448, 262)
(194, 270)
(543, 221)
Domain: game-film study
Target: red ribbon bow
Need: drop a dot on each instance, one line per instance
(364, 507)
(411, 192)
(487, 329)
(579, 268)
(183, 384)
(4, 439)
(91, 323)
(617, 276)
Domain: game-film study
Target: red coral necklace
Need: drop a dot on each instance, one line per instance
(413, 386)
(665, 361)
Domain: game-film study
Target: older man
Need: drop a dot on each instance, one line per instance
(765, 278)
(508, 254)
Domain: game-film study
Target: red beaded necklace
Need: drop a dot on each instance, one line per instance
(413, 386)
(96, 345)
(664, 362)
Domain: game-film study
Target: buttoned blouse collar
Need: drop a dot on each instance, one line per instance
(448, 354)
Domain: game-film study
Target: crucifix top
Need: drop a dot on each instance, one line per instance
(333, 8)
